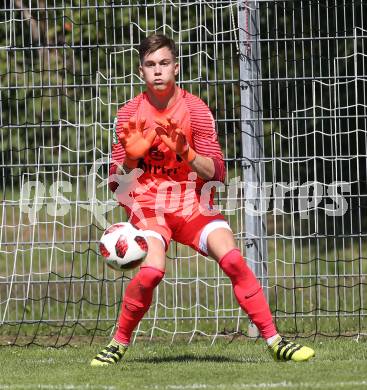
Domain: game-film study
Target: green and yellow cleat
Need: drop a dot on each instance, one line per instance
(284, 350)
(111, 354)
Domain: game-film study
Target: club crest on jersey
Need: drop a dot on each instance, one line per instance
(115, 138)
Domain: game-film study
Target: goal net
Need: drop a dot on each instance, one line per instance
(286, 84)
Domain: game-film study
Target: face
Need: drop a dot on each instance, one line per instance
(159, 70)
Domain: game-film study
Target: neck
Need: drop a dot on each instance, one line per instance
(162, 101)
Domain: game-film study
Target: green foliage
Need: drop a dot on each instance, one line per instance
(64, 68)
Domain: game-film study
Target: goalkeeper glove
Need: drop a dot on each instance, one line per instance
(175, 139)
(136, 145)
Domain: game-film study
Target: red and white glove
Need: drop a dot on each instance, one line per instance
(175, 138)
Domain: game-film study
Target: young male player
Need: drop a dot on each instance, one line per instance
(170, 134)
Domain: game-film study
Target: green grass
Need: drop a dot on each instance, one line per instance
(241, 364)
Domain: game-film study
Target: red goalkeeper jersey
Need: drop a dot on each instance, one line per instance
(162, 167)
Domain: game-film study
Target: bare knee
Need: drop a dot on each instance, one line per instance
(156, 256)
(220, 242)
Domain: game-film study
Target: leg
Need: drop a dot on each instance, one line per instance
(136, 302)
(250, 296)
(213, 236)
(248, 292)
(139, 293)
(219, 242)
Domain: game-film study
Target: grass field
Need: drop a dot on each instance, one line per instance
(241, 364)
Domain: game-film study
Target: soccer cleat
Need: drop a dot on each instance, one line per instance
(111, 354)
(284, 350)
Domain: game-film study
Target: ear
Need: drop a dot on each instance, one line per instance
(141, 71)
(177, 68)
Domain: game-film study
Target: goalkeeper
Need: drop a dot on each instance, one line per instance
(170, 134)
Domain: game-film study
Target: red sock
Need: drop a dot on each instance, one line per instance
(137, 299)
(248, 292)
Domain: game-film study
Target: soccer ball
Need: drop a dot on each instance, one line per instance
(123, 247)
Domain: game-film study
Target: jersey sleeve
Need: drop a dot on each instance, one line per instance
(204, 136)
(117, 151)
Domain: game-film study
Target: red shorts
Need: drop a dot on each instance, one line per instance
(185, 229)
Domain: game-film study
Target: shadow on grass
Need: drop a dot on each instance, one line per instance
(189, 358)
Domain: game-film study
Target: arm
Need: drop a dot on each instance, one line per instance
(176, 140)
(118, 154)
(206, 158)
(129, 143)
(205, 141)
(203, 166)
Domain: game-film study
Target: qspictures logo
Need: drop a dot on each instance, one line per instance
(271, 197)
